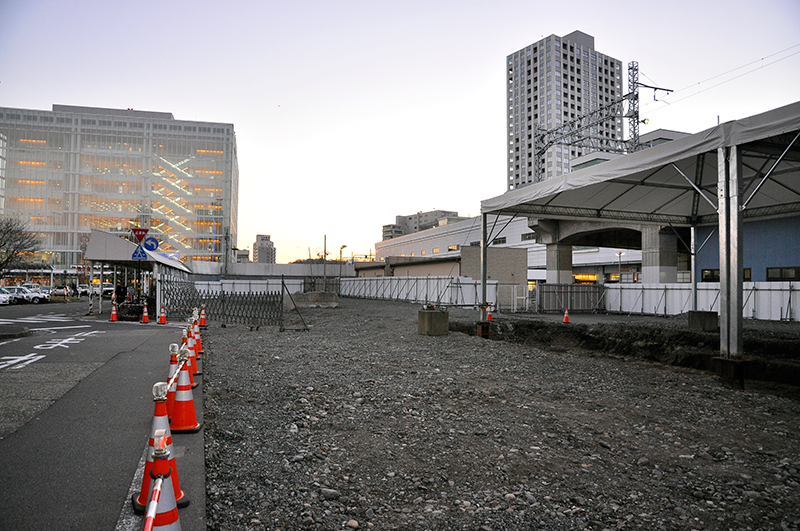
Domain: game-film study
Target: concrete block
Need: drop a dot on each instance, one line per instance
(703, 321)
(433, 323)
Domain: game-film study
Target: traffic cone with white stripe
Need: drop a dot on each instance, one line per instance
(160, 422)
(489, 314)
(184, 417)
(173, 377)
(162, 317)
(145, 317)
(191, 344)
(203, 317)
(166, 514)
(198, 344)
(113, 311)
(566, 315)
(185, 346)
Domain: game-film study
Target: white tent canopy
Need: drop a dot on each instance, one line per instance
(651, 186)
(738, 171)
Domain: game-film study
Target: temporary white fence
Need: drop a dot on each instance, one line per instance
(449, 291)
(769, 301)
(293, 285)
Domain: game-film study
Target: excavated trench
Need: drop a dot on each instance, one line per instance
(772, 356)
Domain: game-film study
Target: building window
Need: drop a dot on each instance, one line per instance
(783, 274)
(499, 241)
(710, 275)
(528, 236)
(435, 250)
(452, 248)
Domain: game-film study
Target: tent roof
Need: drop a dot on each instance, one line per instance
(653, 185)
(107, 247)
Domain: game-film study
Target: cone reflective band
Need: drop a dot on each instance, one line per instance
(166, 517)
(160, 439)
(184, 417)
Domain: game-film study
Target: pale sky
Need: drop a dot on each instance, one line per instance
(349, 113)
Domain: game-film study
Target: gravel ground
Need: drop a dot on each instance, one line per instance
(362, 423)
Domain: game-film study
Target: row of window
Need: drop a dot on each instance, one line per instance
(774, 274)
(113, 123)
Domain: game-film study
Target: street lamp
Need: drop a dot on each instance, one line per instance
(340, 264)
(619, 257)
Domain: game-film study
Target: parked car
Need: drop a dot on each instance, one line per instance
(83, 289)
(32, 286)
(61, 291)
(107, 289)
(23, 294)
(5, 297)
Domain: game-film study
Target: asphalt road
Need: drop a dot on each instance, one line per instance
(76, 410)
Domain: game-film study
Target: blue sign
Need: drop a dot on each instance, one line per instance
(150, 243)
(139, 253)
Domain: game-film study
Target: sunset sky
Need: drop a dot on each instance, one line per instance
(349, 113)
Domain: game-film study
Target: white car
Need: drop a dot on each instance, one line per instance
(5, 297)
(25, 295)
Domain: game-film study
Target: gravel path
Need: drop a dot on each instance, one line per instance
(362, 423)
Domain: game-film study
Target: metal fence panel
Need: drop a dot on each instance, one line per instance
(460, 291)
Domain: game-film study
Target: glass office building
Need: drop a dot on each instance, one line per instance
(73, 169)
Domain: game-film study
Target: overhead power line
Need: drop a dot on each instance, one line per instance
(760, 63)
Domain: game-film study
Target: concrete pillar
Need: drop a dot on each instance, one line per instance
(559, 263)
(659, 255)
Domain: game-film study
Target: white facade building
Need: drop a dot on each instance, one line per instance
(73, 169)
(551, 82)
(590, 264)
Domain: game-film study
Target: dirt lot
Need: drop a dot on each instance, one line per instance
(362, 423)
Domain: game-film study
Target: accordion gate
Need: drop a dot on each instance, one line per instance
(253, 309)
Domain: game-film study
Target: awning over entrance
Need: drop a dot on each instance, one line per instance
(110, 248)
(738, 171)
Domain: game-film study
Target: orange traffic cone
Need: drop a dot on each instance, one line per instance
(113, 311)
(184, 417)
(164, 516)
(160, 422)
(173, 379)
(145, 317)
(566, 315)
(489, 314)
(198, 344)
(191, 345)
(162, 317)
(203, 317)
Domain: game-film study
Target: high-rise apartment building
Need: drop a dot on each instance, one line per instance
(263, 250)
(550, 83)
(74, 169)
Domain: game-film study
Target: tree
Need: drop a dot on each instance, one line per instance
(15, 239)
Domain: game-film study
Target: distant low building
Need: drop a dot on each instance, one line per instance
(242, 256)
(420, 221)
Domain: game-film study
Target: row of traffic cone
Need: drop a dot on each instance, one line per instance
(174, 413)
(162, 316)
